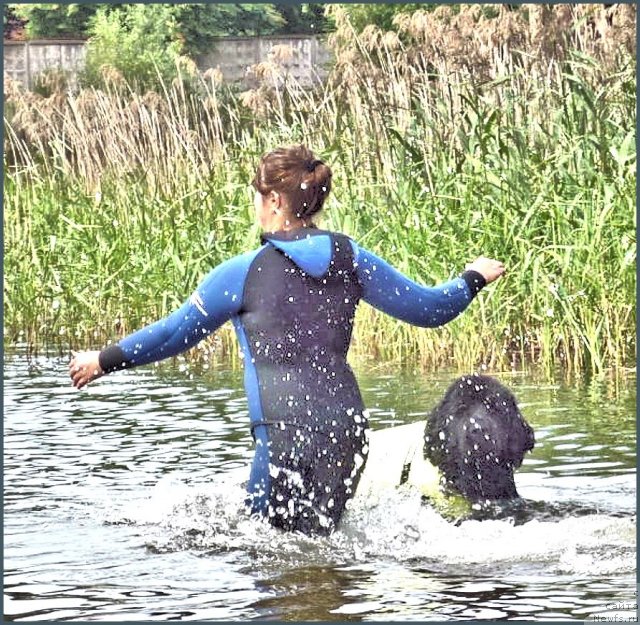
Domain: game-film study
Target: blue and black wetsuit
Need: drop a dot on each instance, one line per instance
(292, 302)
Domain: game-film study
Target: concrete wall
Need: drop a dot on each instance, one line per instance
(24, 60)
(231, 55)
(234, 55)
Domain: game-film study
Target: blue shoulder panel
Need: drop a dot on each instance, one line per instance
(216, 299)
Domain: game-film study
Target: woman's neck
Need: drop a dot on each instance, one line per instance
(286, 224)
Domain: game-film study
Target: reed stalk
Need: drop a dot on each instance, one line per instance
(118, 203)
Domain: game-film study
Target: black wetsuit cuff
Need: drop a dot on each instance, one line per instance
(475, 281)
(112, 358)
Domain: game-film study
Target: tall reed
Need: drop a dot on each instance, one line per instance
(117, 203)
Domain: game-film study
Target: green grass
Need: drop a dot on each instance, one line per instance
(538, 173)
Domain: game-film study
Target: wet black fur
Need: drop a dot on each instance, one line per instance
(477, 437)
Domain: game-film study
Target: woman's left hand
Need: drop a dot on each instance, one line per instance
(84, 368)
(488, 268)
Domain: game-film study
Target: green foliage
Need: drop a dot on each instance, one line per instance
(12, 22)
(199, 24)
(56, 20)
(303, 19)
(139, 41)
(536, 169)
(380, 15)
(196, 25)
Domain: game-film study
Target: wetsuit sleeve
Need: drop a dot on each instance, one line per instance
(216, 299)
(393, 293)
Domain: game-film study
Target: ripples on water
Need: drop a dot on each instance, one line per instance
(123, 502)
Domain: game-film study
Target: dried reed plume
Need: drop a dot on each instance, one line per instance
(467, 40)
(432, 60)
(94, 133)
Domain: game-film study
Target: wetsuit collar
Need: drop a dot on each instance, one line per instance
(291, 235)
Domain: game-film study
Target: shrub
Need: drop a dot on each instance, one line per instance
(138, 41)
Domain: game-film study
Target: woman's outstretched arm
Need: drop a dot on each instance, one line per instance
(217, 299)
(392, 292)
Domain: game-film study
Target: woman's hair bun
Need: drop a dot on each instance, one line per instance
(295, 173)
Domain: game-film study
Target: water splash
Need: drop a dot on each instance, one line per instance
(395, 525)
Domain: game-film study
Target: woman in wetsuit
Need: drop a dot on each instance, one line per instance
(292, 302)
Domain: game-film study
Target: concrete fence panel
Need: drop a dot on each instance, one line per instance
(306, 58)
(24, 60)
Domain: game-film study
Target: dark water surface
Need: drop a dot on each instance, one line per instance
(123, 502)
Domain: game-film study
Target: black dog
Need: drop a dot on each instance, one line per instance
(477, 437)
(470, 446)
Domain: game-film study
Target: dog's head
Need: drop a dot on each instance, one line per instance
(477, 437)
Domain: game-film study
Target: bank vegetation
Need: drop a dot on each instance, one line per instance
(453, 135)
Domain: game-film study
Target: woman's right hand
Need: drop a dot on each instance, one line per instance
(488, 268)
(84, 368)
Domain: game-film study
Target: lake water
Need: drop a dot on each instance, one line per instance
(123, 502)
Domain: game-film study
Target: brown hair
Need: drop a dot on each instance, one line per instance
(296, 174)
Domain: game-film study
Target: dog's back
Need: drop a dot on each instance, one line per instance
(396, 457)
